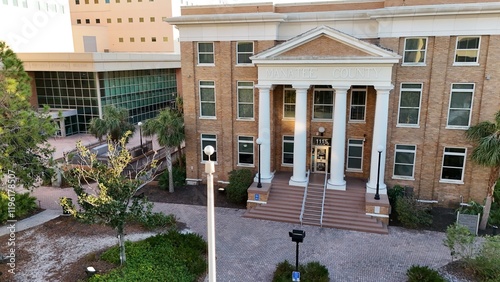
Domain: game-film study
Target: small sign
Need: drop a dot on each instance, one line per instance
(470, 221)
(295, 276)
(257, 197)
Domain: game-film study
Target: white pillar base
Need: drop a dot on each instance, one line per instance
(298, 182)
(340, 185)
(264, 178)
(372, 188)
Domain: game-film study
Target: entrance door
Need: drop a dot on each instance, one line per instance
(320, 159)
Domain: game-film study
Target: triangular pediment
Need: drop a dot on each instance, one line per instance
(326, 44)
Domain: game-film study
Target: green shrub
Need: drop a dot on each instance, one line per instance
(239, 181)
(487, 262)
(417, 273)
(148, 218)
(412, 214)
(24, 205)
(179, 174)
(461, 242)
(394, 193)
(165, 257)
(310, 272)
(472, 208)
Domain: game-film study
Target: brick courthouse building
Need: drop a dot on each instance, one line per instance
(326, 86)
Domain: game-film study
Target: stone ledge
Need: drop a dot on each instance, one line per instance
(258, 196)
(379, 209)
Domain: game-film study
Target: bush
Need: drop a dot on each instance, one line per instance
(239, 181)
(418, 273)
(148, 218)
(461, 242)
(165, 257)
(394, 193)
(179, 174)
(24, 205)
(487, 262)
(311, 272)
(472, 208)
(412, 214)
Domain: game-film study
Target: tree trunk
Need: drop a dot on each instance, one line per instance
(486, 213)
(179, 154)
(121, 243)
(492, 181)
(170, 173)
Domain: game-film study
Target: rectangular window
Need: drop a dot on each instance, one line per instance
(78, 21)
(467, 51)
(288, 150)
(77, 2)
(323, 104)
(165, 39)
(209, 139)
(460, 105)
(152, 19)
(141, 20)
(244, 50)
(143, 39)
(358, 104)
(415, 51)
(207, 99)
(120, 39)
(355, 154)
(96, 1)
(453, 164)
(108, 20)
(107, 1)
(205, 53)
(132, 39)
(87, 1)
(289, 103)
(245, 150)
(119, 20)
(97, 21)
(404, 161)
(409, 104)
(153, 39)
(87, 21)
(130, 20)
(245, 100)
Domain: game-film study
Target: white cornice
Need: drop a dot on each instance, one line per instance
(437, 10)
(227, 18)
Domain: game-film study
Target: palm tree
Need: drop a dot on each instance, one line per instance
(114, 123)
(169, 129)
(486, 136)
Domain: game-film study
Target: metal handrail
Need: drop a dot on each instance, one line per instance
(323, 201)
(304, 198)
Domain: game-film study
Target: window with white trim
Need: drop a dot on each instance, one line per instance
(207, 99)
(415, 49)
(245, 150)
(404, 161)
(208, 139)
(467, 51)
(460, 105)
(244, 50)
(289, 103)
(288, 142)
(409, 104)
(245, 100)
(323, 104)
(355, 154)
(206, 53)
(453, 164)
(358, 104)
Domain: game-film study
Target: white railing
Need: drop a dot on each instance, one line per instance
(323, 201)
(304, 198)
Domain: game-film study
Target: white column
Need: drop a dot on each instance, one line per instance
(265, 133)
(379, 141)
(337, 180)
(300, 137)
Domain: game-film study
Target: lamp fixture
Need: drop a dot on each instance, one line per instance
(321, 130)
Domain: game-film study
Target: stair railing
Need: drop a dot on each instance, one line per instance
(304, 198)
(323, 201)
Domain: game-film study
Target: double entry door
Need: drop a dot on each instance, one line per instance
(320, 158)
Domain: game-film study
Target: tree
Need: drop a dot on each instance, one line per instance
(24, 132)
(486, 152)
(110, 200)
(169, 129)
(114, 123)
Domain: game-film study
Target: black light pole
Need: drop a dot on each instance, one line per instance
(140, 131)
(298, 237)
(259, 142)
(379, 149)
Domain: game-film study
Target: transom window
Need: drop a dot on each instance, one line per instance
(409, 104)
(288, 150)
(358, 104)
(415, 49)
(323, 104)
(460, 105)
(245, 150)
(404, 161)
(289, 103)
(453, 164)
(208, 139)
(205, 53)
(244, 50)
(355, 154)
(245, 100)
(467, 51)
(207, 99)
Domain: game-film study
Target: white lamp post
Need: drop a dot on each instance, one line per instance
(140, 131)
(209, 170)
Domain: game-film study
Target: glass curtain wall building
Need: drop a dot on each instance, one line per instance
(142, 92)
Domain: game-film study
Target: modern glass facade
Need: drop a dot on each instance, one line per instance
(142, 92)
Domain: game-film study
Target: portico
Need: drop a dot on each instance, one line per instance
(293, 63)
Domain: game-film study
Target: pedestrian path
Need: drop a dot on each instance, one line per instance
(35, 220)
